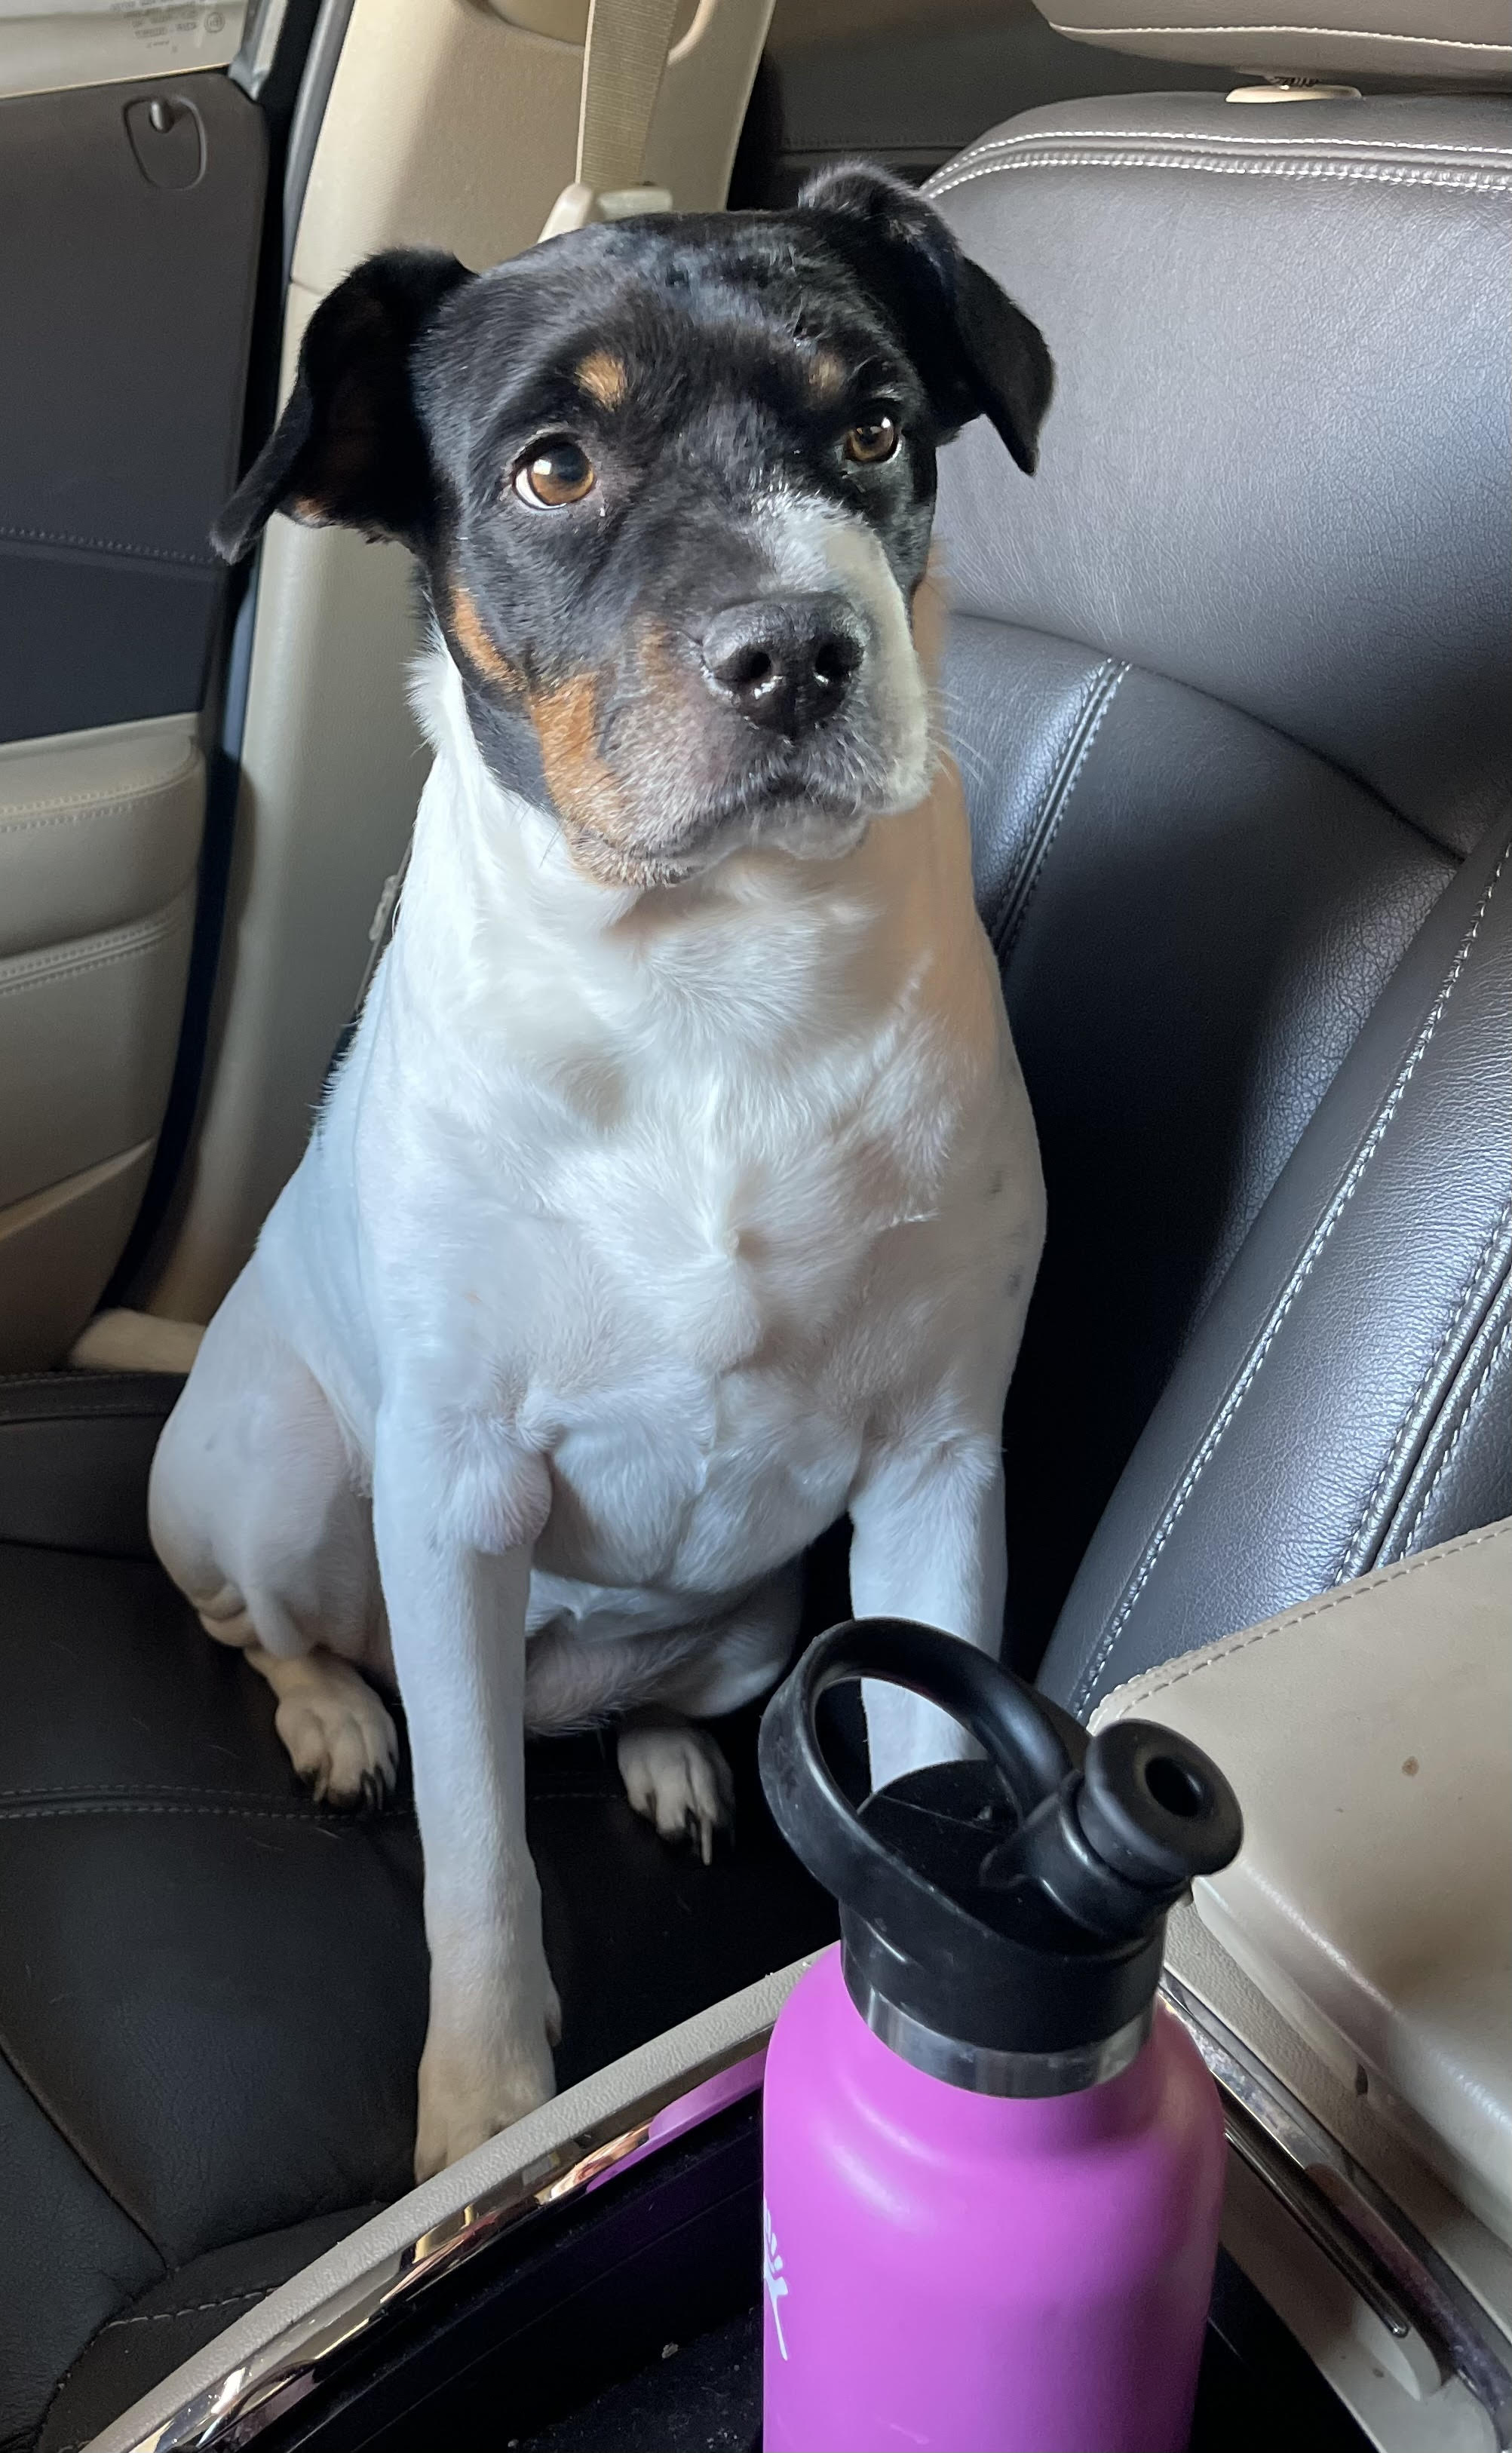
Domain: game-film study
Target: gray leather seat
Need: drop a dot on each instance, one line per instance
(1232, 679)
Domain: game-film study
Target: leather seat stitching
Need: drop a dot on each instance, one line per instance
(153, 2317)
(195, 2308)
(12, 1384)
(1180, 158)
(1488, 1259)
(1105, 687)
(1132, 1692)
(43, 970)
(311, 1815)
(87, 2165)
(1341, 34)
(75, 813)
(1053, 791)
(1303, 1270)
(1470, 1403)
(166, 555)
(146, 1789)
(139, 1410)
(94, 803)
(130, 1409)
(1193, 139)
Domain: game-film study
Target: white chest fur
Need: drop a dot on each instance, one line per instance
(696, 1193)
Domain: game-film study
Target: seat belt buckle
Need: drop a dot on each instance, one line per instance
(578, 205)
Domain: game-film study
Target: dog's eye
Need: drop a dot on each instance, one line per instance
(554, 473)
(874, 437)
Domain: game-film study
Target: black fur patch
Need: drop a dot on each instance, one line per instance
(742, 347)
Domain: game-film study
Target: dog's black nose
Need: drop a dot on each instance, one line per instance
(785, 662)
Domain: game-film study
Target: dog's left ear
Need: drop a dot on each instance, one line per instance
(977, 353)
(350, 446)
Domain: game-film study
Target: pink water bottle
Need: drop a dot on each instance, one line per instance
(993, 2164)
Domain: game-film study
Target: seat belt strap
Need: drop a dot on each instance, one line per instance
(624, 61)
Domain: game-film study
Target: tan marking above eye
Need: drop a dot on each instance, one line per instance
(554, 474)
(873, 438)
(603, 377)
(825, 375)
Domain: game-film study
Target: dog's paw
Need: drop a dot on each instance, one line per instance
(341, 1742)
(678, 1779)
(463, 2103)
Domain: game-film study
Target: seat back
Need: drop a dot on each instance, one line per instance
(1230, 680)
(1449, 42)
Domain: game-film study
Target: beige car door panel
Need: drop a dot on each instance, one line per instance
(130, 225)
(99, 845)
(96, 828)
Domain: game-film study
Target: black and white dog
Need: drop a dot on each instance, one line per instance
(679, 1191)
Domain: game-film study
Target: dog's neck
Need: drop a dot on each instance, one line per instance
(501, 926)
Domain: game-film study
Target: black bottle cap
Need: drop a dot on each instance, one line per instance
(1012, 1907)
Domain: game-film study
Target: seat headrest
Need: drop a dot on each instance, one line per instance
(1438, 42)
(1276, 465)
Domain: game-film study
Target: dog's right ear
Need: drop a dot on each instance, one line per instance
(977, 353)
(350, 446)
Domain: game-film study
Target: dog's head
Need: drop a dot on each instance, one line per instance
(670, 483)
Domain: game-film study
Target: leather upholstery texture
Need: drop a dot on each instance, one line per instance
(1453, 42)
(1231, 681)
(1344, 1395)
(213, 1991)
(1275, 467)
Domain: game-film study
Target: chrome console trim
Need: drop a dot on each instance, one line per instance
(272, 2380)
(1397, 2274)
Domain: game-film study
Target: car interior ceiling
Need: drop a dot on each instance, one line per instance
(1228, 688)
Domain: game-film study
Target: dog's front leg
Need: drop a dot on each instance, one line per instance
(454, 1537)
(928, 1542)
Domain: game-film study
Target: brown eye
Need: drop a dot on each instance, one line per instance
(873, 438)
(553, 475)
